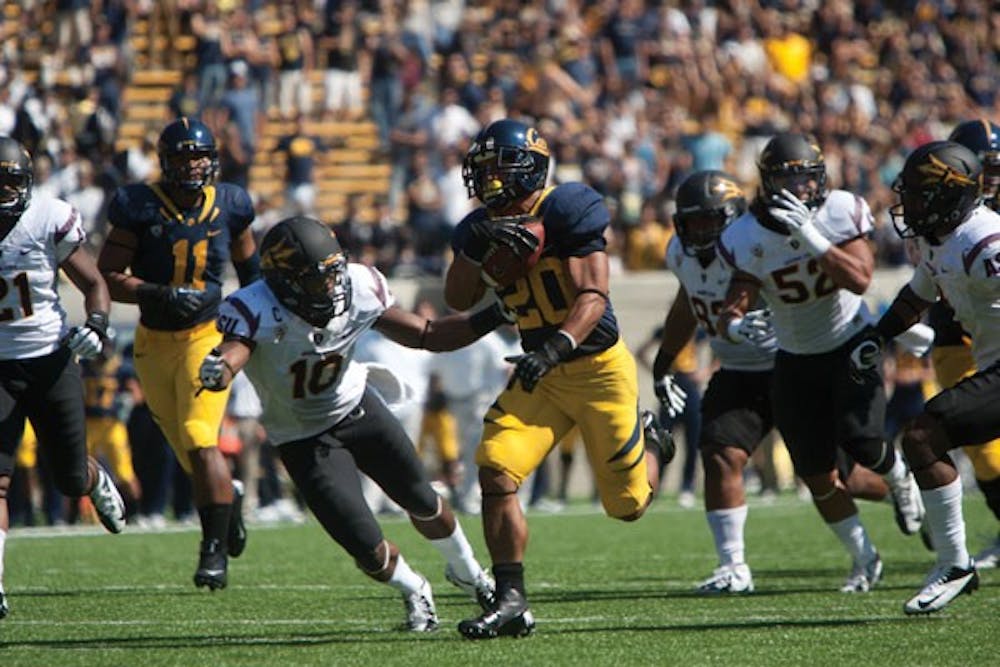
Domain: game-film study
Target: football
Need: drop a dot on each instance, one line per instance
(502, 266)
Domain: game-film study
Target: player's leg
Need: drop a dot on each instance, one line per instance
(736, 415)
(383, 451)
(11, 426)
(325, 474)
(520, 429)
(802, 398)
(986, 463)
(962, 415)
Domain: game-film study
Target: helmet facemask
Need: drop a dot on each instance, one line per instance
(15, 192)
(190, 168)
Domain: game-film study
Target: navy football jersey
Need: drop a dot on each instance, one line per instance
(181, 247)
(574, 217)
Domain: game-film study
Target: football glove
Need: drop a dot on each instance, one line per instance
(478, 240)
(672, 397)
(87, 340)
(516, 237)
(531, 367)
(799, 220)
(754, 327)
(181, 302)
(866, 358)
(212, 372)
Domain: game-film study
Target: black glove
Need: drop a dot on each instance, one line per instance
(181, 302)
(531, 367)
(518, 238)
(488, 319)
(866, 357)
(478, 241)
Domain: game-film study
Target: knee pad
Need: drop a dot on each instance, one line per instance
(991, 490)
(924, 442)
(874, 454)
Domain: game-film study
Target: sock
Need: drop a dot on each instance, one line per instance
(897, 473)
(215, 522)
(458, 552)
(944, 517)
(854, 537)
(727, 530)
(3, 541)
(404, 579)
(509, 576)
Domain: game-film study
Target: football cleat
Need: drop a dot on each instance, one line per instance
(510, 618)
(658, 438)
(482, 590)
(212, 565)
(989, 557)
(236, 541)
(4, 608)
(108, 502)
(421, 616)
(727, 579)
(943, 585)
(863, 577)
(908, 505)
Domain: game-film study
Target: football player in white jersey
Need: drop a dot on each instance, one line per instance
(804, 248)
(294, 334)
(958, 242)
(39, 376)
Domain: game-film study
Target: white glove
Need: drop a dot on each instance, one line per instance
(84, 342)
(672, 397)
(917, 340)
(754, 327)
(799, 220)
(212, 371)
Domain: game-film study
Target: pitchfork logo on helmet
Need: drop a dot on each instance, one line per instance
(938, 188)
(304, 265)
(507, 162)
(707, 201)
(16, 177)
(189, 159)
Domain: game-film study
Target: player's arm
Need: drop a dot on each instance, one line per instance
(443, 333)
(115, 258)
(83, 272)
(221, 365)
(678, 329)
(463, 285)
(850, 266)
(743, 291)
(246, 261)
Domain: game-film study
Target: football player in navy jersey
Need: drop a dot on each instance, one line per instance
(39, 379)
(167, 251)
(575, 370)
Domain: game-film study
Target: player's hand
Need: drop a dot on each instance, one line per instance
(517, 237)
(478, 240)
(866, 357)
(531, 367)
(799, 220)
(212, 372)
(87, 340)
(181, 302)
(756, 327)
(672, 397)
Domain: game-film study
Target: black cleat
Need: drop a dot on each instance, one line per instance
(212, 566)
(658, 438)
(236, 541)
(511, 618)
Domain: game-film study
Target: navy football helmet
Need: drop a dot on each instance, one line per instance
(938, 188)
(16, 177)
(707, 201)
(304, 265)
(183, 147)
(508, 161)
(793, 162)
(982, 137)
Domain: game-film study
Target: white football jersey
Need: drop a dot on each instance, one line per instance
(965, 268)
(306, 376)
(811, 314)
(706, 289)
(32, 321)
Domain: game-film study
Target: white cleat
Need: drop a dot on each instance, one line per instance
(908, 505)
(421, 616)
(943, 584)
(4, 608)
(483, 590)
(108, 502)
(863, 577)
(989, 557)
(727, 580)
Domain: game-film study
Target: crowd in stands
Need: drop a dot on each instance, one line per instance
(632, 95)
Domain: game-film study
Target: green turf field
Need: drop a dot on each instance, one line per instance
(603, 592)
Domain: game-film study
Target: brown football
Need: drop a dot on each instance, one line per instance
(503, 267)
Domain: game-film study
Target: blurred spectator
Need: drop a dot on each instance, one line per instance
(346, 57)
(206, 24)
(425, 217)
(300, 150)
(88, 199)
(295, 50)
(240, 106)
(185, 100)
